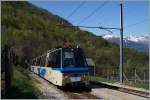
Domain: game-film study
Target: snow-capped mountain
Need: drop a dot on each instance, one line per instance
(140, 43)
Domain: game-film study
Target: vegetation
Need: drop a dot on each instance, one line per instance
(139, 85)
(22, 86)
(102, 79)
(30, 31)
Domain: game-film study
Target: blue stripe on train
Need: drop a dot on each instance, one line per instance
(81, 69)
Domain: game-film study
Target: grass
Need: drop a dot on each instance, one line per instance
(100, 79)
(22, 86)
(137, 85)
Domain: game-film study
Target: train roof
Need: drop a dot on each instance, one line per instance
(55, 49)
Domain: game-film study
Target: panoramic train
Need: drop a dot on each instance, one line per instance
(62, 66)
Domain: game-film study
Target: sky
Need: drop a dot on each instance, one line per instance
(102, 13)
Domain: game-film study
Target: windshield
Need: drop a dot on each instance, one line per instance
(73, 58)
(69, 60)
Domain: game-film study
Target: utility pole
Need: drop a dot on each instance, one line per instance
(94, 69)
(144, 77)
(135, 75)
(121, 43)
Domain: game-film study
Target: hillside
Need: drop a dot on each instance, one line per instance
(30, 31)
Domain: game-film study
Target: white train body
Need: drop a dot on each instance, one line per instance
(61, 66)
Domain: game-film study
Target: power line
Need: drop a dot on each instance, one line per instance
(128, 26)
(75, 10)
(100, 22)
(96, 27)
(92, 13)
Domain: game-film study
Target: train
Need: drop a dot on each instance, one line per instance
(62, 66)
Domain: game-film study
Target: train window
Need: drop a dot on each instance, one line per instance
(39, 61)
(69, 55)
(32, 62)
(73, 58)
(47, 59)
(57, 61)
(79, 58)
(43, 61)
(36, 62)
(69, 60)
(54, 59)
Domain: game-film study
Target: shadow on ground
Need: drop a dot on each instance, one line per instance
(76, 89)
(94, 85)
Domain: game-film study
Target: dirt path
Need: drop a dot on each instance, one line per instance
(47, 90)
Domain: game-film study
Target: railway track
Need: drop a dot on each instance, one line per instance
(83, 95)
(78, 92)
(95, 90)
(123, 89)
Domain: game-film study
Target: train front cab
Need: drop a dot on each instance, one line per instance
(74, 67)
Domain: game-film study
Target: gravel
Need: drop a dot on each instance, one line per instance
(47, 90)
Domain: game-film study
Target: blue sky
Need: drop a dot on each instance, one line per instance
(105, 13)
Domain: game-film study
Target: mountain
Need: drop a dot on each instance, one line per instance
(140, 43)
(31, 31)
